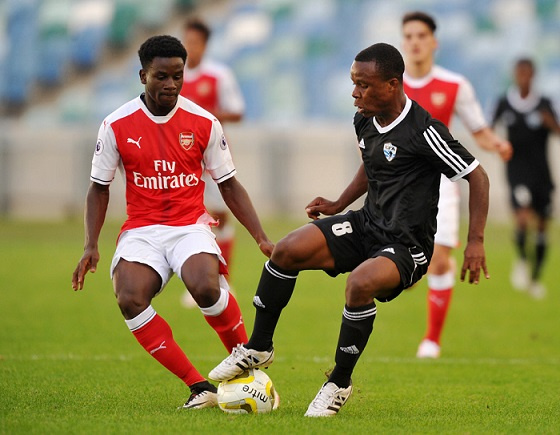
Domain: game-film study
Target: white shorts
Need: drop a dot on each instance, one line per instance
(165, 248)
(213, 200)
(447, 233)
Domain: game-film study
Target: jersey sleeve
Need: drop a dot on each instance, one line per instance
(549, 107)
(217, 157)
(106, 157)
(468, 108)
(230, 96)
(444, 152)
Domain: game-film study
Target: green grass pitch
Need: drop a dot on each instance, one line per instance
(68, 364)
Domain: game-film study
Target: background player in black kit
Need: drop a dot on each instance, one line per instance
(529, 118)
(387, 244)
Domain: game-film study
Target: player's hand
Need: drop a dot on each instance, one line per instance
(88, 262)
(321, 205)
(266, 247)
(473, 262)
(505, 150)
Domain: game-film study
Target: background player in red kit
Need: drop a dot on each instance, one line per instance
(442, 93)
(212, 86)
(162, 141)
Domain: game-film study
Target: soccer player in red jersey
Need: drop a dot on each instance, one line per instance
(443, 94)
(162, 142)
(212, 86)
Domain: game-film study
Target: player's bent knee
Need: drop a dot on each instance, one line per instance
(131, 304)
(284, 254)
(359, 290)
(206, 294)
(440, 265)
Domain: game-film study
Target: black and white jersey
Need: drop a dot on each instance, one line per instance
(403, 163)
(528, 137)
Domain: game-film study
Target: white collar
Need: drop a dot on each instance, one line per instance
(158, 119)
(397, 120)
(523, 105)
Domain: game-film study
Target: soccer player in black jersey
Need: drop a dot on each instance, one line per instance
(529, 118)
(387, 244)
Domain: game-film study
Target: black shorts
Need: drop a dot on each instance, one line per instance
(351, 243)
(539, 199)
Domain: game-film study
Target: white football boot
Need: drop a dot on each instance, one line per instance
(520, 279)
(241, 359)
(537, 290)
(428, 349)
(187, 301)
(203, 399)
(328, 400)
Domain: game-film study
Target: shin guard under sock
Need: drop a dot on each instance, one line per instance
(356, 327)
(226, 319)
(155, 335)
(273, 294)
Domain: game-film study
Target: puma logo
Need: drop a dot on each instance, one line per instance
(238, 324)
(160, 347)
(135, 142)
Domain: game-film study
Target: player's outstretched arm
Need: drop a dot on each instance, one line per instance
(474, 256)
(96, 208)
(357, 187)
(238, 201)
(550, 121)
(490, 141)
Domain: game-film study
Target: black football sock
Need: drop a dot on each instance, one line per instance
(540, 254)
(520, 242)
(273, 293)
(356, 327)
(199, 387)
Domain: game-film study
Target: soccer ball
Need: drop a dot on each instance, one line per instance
(251, 392)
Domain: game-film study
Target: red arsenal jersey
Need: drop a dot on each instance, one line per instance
(213, 86)
(444, 93)
(163, 158)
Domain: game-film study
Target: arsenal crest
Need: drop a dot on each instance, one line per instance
(390, 151)
(186, 140)
(438, 98)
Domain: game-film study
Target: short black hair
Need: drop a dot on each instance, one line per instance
(161, 46)
(195, 23)
(389, 61)
(428, 20)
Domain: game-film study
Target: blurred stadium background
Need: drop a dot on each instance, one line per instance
(66, 64)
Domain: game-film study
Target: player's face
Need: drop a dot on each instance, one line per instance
(419, 43)
(373, 95)
(523, 75)
(195, 45)
(162, 82)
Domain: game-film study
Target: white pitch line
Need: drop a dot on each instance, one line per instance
(304, 359)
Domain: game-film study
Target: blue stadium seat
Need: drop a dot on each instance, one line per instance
(53, 46)
(20, 64)
(89, 28)
(121, 30)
